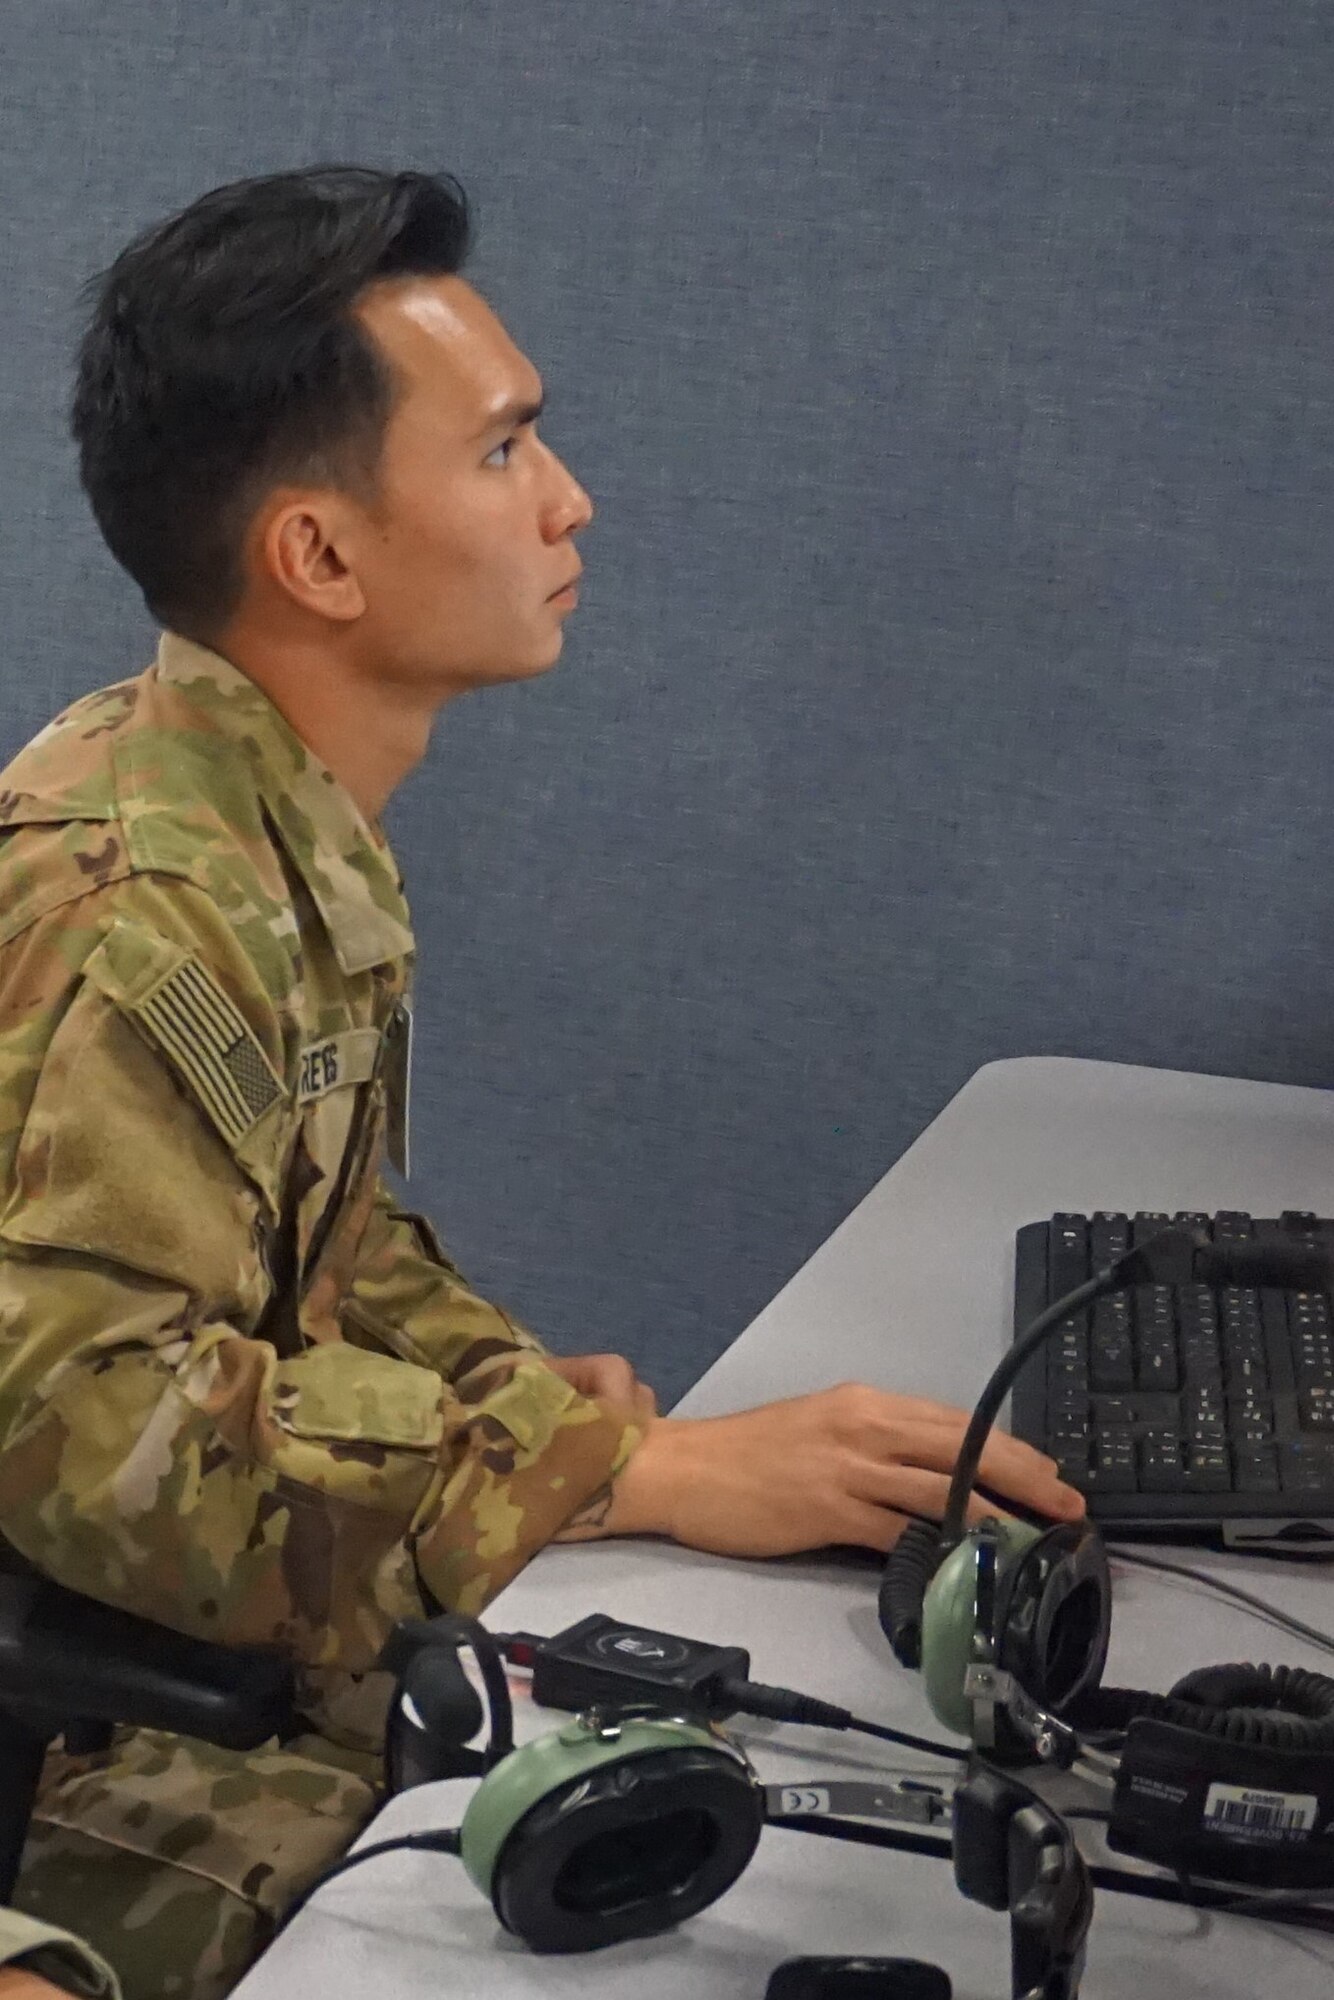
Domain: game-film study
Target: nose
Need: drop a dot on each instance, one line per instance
(571, 508)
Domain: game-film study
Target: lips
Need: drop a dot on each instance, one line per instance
(568, 584)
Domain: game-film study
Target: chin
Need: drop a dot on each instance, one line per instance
(529, 669)
(547, 659)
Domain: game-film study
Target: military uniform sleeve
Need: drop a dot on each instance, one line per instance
(155, 1453)
(57, 1955)
(408, 1296)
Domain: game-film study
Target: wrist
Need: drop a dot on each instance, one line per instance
(642, 1492)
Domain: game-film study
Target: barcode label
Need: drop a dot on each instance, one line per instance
(1278, 1815)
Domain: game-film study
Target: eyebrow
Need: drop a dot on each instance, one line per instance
(512, 416)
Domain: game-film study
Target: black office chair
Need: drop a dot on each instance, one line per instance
(70, 1666)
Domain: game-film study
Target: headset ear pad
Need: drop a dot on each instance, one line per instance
(1054, 1614)
(628, 1849)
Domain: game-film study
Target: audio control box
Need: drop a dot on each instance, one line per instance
(603, 1661)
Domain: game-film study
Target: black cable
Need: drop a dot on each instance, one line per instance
(444, 1840)
(912, 1742)
(1118, 1881)
(781, 1704)
(1296, 1626)
(1260, 1900)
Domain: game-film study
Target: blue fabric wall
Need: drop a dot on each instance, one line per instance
(952, 676)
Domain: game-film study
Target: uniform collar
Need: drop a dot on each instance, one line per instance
(344, 861)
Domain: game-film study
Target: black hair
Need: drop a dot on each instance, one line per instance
(222, 357)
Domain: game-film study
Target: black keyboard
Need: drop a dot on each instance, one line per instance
(1184, 1404)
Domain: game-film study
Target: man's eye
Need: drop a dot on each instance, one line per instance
(507, 446)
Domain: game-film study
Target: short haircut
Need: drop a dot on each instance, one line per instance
(222, 357)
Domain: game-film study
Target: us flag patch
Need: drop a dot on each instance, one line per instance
(207, 1040)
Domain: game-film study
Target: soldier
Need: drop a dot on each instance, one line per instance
(243, 1392)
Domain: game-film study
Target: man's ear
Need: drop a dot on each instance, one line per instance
(299, 549)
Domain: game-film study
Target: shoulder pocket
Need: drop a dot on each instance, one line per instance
(120, 1154)
(177, 1005)
(174, 1002)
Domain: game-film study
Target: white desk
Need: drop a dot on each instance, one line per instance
(911, 1292)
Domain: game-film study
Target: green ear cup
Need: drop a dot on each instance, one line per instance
(949, 1621)
(524, 1778)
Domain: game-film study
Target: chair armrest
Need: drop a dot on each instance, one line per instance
(63, 1656)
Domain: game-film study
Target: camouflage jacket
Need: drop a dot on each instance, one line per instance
(55, 1955)
(241, 1391)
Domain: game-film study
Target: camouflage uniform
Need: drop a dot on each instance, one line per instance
(55, 1955)
(241, 1391)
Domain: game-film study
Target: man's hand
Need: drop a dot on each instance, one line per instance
(844, 1465)
(609, 1376)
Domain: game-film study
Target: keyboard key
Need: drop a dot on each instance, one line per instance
(1153, 1408)
(1115, 1410)
(1156, 1365)
(1070, 1344)
(1317, 1408)
(1111, 1347)
(1208, 1469)
(1068, 1387)
(1249, 1373)
(1201, 1351)
(1161, 1466)
(1202, 1408)
(1255, 1468)
(1109, 1238)
(1112, 1464)
(1067, 1254)
(1242, 1341)
(1306, 1465)
(1249, 1406)
(1312, 1355)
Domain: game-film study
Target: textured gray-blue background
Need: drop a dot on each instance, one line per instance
(952, 675)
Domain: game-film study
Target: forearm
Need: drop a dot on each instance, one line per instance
(505, 1501)
(637, 1498)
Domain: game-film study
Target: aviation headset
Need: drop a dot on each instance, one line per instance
(625, 1821)
(1232, 1772)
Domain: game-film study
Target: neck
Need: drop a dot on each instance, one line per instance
(370, 733)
